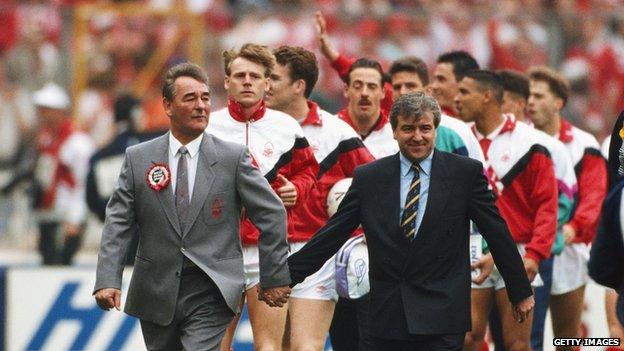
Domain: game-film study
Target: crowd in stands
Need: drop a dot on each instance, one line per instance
(41, 42)
(582, 38)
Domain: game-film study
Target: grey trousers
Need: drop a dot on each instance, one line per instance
(200, 319)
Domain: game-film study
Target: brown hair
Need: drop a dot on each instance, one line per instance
(411, 64)
(365, 63)
(255, 53)
(558, 84)
(301, 63)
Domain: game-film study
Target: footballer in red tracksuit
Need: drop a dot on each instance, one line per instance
(278, 147)
(338, 150)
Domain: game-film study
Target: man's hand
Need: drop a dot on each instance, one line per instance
(569, 234)
(522, 310)
(287, 191)
(326, 47)
(108, 298)
(274, 297)
(486, 265)
(531, 268)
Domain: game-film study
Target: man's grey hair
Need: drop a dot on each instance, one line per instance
(185, 69)
(414, 105)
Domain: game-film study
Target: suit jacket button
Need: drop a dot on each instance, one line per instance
(178, 274)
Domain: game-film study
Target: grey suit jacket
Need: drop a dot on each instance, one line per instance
(225, 182)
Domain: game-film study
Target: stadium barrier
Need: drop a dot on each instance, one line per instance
(53, 309)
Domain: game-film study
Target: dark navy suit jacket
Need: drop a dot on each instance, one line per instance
(420, 287)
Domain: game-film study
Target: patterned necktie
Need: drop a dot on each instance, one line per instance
(408, 220)
(182, 188)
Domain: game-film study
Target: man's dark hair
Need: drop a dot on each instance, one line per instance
(301, 64)
(462, 62)
(185, 69)
(411, 64)
(487, 80)
(414, 105)
(558, 85)
(365, 63)
(514, 82)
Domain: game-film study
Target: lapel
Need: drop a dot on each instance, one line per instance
(436, 200)
(165, 197)
(390, 193)
(204, 177)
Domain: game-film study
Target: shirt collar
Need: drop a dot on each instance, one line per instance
(566, 134)
(313, 117)
(406, 164)
(236, 111)
(192, 147)
(508, 125)
(448, 111)
(381, 121)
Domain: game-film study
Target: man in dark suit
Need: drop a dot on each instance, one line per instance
(415, 208)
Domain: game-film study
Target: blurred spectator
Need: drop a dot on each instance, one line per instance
(60, 174)
(17, 120)
(16, 133)
(420, 41)
(105, 164)
(34, 60)
(617, 45)
(456, 29)
(358, 8)
(129, 42)
(517, 39)
(218, 18)
(195, 6)
(267, 29)
(155, 118)
(8, 18)
(594, 54)
(44, 14)
(94, 110)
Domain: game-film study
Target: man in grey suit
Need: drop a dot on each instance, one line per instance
(184, 191)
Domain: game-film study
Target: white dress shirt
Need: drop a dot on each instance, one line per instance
(191, 161)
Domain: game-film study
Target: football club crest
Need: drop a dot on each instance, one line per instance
(158, 177)
(506, 156)
(217, 208)
(268, 149)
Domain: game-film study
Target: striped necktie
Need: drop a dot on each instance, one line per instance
(408, 220)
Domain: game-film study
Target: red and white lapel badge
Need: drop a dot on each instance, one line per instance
(158, 176)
